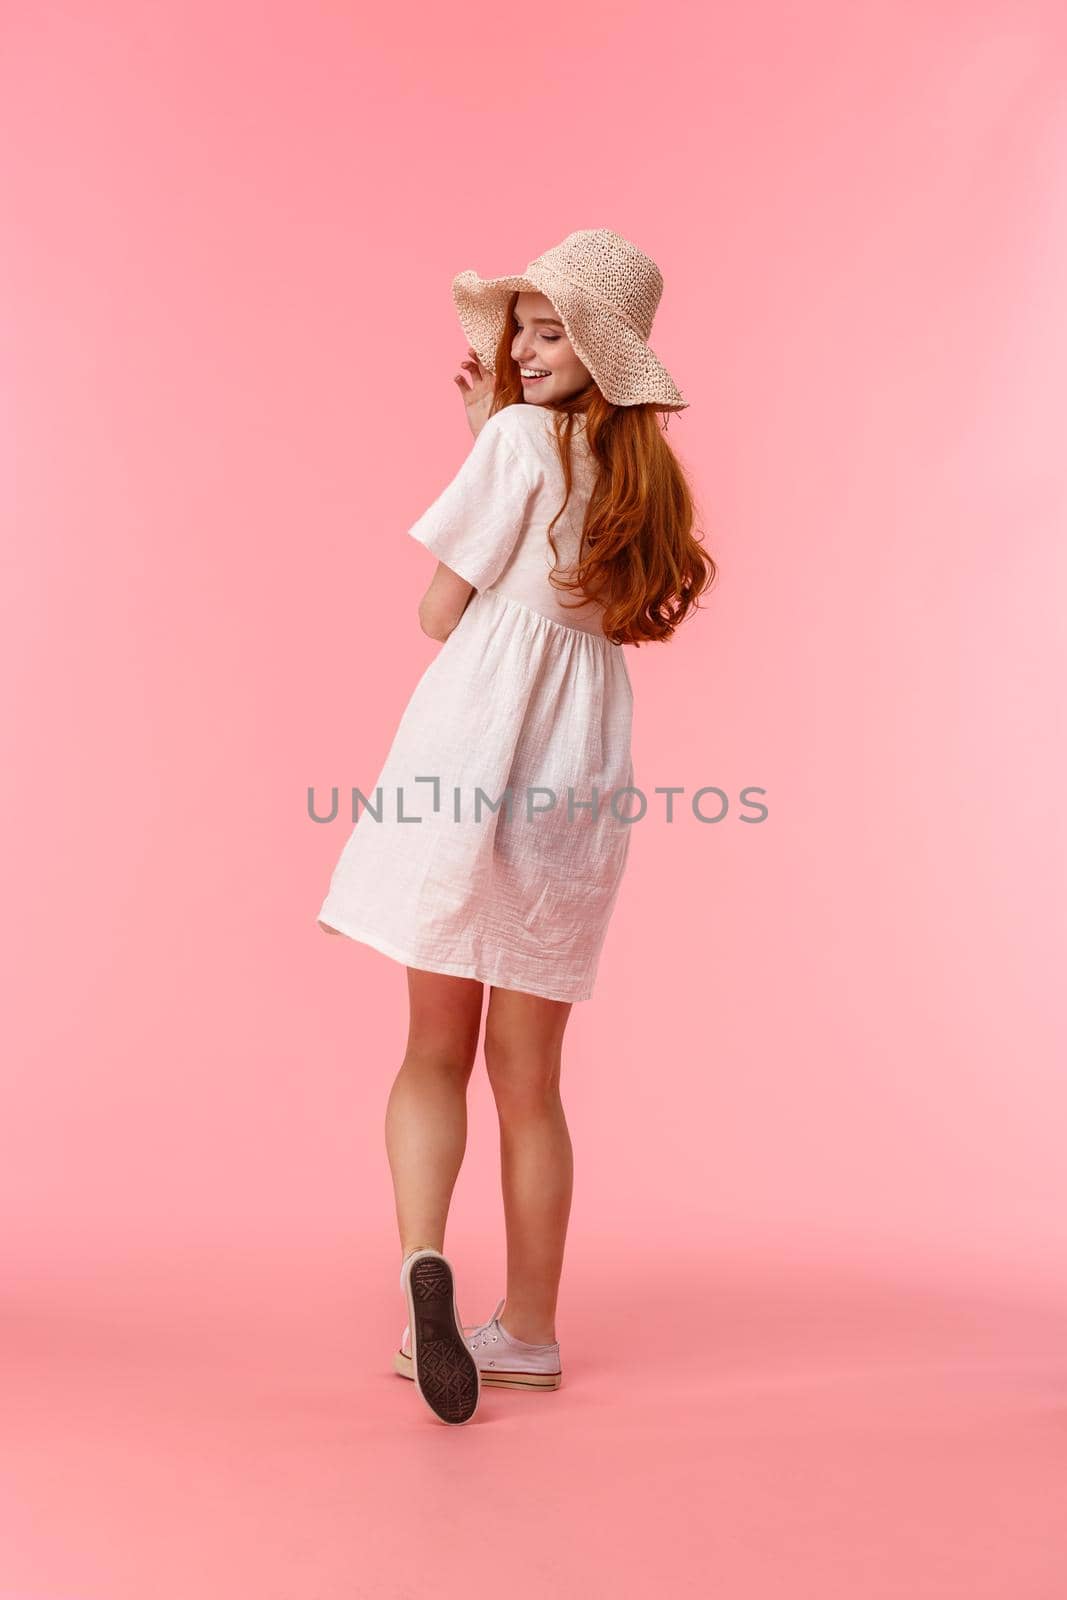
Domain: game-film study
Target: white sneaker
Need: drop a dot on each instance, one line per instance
(503, 1361)
(442, 1364)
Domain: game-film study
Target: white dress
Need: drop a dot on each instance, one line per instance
(525, 700)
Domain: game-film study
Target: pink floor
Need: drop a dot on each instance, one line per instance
(204, 1429)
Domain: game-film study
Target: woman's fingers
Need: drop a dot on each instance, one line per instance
(474, 381)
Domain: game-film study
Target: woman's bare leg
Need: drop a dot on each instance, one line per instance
(523, 1055)
(426, 1115)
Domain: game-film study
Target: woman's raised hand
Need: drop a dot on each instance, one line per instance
(477, 387)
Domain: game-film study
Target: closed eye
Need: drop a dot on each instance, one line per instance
(552, 338)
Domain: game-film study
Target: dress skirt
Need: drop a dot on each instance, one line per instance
(515, 888)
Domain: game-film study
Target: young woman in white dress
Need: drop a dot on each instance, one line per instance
(631, 570)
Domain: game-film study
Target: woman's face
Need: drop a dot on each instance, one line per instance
(541, 345)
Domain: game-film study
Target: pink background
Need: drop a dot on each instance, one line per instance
(813, 1312)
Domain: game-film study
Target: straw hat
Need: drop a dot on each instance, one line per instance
(606, 291)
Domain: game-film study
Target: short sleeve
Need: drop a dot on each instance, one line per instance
(474, 525)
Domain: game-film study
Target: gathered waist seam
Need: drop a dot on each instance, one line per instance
(568, 627)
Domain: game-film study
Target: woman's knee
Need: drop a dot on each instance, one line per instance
(523, 1050)
(451, 1059)
(523, 1079)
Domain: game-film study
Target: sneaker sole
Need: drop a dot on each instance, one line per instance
(445, 1373)
(402, 1363)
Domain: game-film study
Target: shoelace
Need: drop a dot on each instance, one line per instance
(480, 1332)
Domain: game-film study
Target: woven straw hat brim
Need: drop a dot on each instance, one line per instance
(626, 368)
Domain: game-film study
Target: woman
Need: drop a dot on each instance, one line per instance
(500, 825)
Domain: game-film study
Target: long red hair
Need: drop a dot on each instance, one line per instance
(638, 557)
